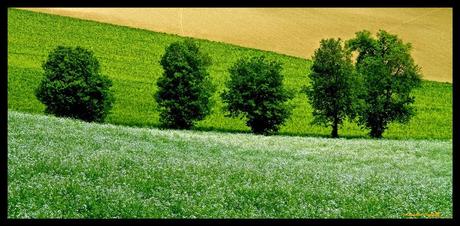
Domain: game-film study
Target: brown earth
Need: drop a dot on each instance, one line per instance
(293, 31)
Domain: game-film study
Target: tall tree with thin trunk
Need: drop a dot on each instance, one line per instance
(332, 92)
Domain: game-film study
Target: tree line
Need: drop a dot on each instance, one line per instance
(373, 90)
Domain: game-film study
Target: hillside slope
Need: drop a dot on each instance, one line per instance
(61, 168)
(293, 31)
(130, 57)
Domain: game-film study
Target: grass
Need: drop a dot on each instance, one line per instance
(62, 168)
(130, 57)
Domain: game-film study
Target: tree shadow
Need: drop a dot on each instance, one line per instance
(157, 125)
(290, 134)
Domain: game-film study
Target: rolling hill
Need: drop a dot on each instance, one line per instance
(130, 57)
(293, 31)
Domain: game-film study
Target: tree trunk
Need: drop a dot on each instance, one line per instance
(335, 132)
(376, 133)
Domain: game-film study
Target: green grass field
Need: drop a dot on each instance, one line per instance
(130, 57)
(62, 168)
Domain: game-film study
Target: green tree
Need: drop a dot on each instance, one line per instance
(185, 89)
(256, 91)
(389, 75)
(73, 86)
(332, 92)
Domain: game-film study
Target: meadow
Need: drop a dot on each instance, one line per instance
(130, 57)
(62, 168)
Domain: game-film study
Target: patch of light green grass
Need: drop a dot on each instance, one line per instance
(61, 168)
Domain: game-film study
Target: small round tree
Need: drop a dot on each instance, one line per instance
(73, 86)
(185, 89)
(256, 91)
(389, 75)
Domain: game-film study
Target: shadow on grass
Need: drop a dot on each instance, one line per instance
(248, 131)
(317, 135)
(290, 134)
(152, 125)
(147, 125)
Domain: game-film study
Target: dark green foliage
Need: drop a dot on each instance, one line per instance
(389, 75)
(256, 91)
(333, 85)
(185, 88)
(73, 86)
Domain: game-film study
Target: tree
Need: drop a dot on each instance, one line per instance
(389, 75)
(256, 91)
(332, 93)
(73, 86)
(185, 89)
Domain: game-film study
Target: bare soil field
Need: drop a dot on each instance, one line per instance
(293, 31)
